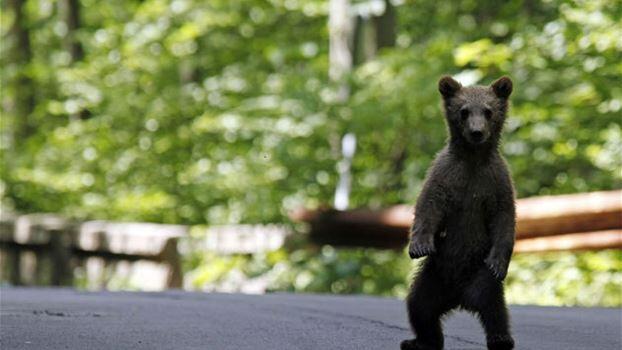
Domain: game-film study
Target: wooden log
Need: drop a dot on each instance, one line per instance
(9, 257)
(609, 239)
(551, 215)
(536, 217)
(331, 227)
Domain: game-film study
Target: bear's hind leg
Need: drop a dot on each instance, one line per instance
(426, 304)
(484, 296)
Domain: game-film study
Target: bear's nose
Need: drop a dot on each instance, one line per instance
(477, 135)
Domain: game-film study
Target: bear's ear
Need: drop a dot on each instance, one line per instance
(502, 87)
(448, 87)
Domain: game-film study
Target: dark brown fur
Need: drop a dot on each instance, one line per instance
(464, 220)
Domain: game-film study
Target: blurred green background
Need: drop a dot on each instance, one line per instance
(222, 112)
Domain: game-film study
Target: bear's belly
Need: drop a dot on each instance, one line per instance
(463, 246)
(462, 242)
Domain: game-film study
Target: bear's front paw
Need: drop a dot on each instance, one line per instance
(420, 246)
(498, 267)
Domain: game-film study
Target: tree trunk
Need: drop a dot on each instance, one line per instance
(21, 55)
(70, 12)
(340, 54)
(372, 32)
(385, 27)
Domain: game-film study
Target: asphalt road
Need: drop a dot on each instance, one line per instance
(68, 319)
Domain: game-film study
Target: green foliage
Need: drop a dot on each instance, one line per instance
(563, 134)
(566, 279)
(561, 279)
(302, 268)
(221, 111)
(199, 112)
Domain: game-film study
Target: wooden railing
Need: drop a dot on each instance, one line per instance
(565, 222)
(47, 249)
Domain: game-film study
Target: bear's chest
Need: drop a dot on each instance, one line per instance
(474, 194)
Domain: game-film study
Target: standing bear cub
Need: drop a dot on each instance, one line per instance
(464, 220)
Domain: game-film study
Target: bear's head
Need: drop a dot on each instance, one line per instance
(475, 114)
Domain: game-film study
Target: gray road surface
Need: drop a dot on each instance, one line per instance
(68, 319)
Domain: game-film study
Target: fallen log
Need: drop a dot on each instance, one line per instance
(551, 215)
(536, 217)
(609, 239)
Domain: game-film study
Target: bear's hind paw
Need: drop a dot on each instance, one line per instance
(412, 344)
(500, 342)
(409, 344)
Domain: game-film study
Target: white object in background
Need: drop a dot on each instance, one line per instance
(342, 193)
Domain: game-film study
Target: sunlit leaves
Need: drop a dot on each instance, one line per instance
(221, 111)
(482, 53)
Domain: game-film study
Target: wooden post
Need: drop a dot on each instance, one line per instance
(10, 259)
(170, 257)
(60, 258)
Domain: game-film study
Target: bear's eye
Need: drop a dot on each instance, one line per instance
(488, 113)
(464, 113)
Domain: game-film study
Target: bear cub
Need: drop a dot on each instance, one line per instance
(464, 220)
